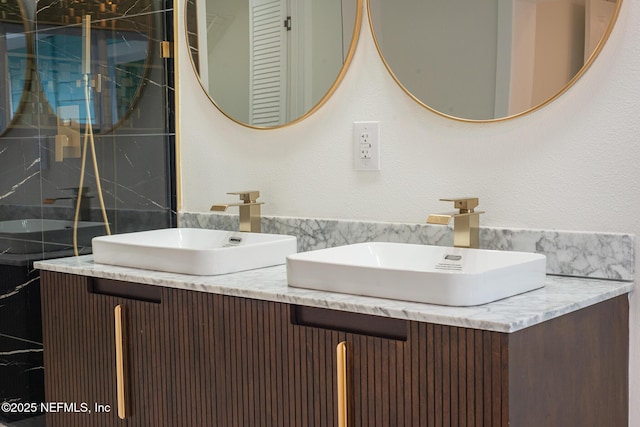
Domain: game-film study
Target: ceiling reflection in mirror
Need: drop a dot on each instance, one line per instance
(269, 63)
(118, 56)
(15, 61)
(488, 60)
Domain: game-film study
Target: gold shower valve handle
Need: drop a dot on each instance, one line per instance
(465, 204)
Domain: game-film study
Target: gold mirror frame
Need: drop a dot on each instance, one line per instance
(27, 73)
(566, 87)
(345, 66)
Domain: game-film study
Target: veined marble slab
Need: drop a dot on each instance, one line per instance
(561, 295)
(569, 253)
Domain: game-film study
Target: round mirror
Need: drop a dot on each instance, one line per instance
(489, 60)
(114, 53)
(15, 61)
(269, 63)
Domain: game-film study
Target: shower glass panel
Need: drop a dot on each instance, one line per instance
(55, 108)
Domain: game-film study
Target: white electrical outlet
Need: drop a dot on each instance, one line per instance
(366, 146)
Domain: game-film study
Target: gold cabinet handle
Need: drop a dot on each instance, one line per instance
(343, 395)
(120, 368)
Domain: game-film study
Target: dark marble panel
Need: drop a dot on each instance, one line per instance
(22, 373)
(135, 180)
(123, 64)
(135, 101)
(19, 170)
(20, 303)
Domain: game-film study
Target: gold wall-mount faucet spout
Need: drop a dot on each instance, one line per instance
(249, 210)
(466, 222)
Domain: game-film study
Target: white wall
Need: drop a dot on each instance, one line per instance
(573, 165)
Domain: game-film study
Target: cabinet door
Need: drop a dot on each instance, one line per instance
(231, 361)
(80, 352)
(373, 382)
(399, 373)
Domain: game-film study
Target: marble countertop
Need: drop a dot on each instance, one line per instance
(561, 295)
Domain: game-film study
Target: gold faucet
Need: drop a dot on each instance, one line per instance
(466, 222)
(249, 210)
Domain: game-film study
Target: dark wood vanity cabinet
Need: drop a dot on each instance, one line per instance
(200, 359)
(403, 373)
(80, 341)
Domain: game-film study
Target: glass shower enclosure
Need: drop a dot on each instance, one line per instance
(79, 81)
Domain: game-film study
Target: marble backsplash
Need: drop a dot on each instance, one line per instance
(569, 253)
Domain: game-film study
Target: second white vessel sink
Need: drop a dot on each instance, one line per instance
(194, 251)
(419, 273)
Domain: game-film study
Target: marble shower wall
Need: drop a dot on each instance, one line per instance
(131, 112)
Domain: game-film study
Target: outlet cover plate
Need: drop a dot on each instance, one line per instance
(366, 146)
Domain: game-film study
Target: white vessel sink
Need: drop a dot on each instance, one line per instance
(195, 251)
(419, 273)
